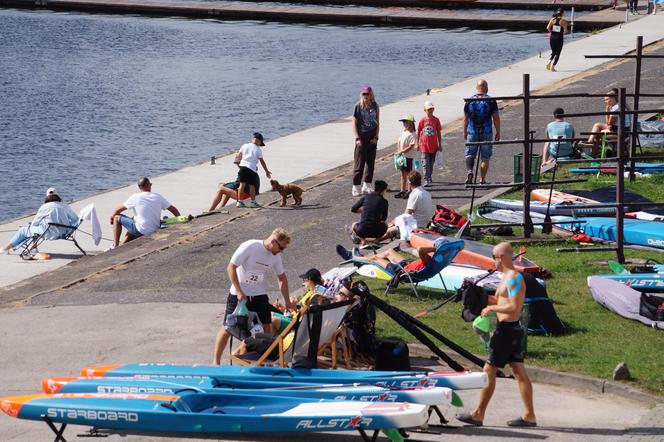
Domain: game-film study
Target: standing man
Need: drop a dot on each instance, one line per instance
(429, 140)
(478, 117)
(506, 345)
(147, 206)
(246, 271)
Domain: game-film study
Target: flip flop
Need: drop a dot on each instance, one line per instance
(520, 422)
(466, 418)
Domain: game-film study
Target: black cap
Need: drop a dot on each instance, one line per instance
(312, 275)
(259, 137)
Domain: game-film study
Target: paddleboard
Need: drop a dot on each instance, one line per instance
(453, 275)
(311, 392)
(555, 209)
(230, 374)
(212, 413)
(559, 197)
(635, 231)
(611, 168)
(643, 282)
(474, 253)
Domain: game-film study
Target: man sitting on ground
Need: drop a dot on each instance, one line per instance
(373, 209)
(559, 128)
(147, 206)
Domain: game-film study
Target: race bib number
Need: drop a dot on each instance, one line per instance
(253, 279)
(556, 28)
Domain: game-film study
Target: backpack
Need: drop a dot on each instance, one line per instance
(543, 317)
(649, 305)
(445, 219)
(479, 112)
(474, 299)
(360, 322)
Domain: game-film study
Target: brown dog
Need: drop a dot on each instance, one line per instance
(288, 189)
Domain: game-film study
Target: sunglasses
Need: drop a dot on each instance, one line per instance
(281, 248)
(365, 95)
(496, 256)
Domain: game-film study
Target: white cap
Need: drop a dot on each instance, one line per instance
(428, 105)
(51, 191)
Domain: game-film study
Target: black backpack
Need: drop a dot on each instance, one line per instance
(360, 322)
(543, 317)
(474, 299)
(649, 305)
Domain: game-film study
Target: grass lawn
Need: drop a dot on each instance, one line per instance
(597, 339)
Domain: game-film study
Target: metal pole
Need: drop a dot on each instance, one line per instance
(571, 26)
(620, 180)
(527, 136)
(635, 116)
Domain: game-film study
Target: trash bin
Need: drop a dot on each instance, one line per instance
(535, 163)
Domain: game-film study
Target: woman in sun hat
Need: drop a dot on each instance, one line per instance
(366, 123)
(406, 145)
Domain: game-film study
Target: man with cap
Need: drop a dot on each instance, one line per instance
(54, 210)
(429, 137)
(147, 206)
(478, 116)
(250, 155)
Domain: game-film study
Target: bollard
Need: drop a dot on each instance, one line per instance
(428, 91)
(213, 160)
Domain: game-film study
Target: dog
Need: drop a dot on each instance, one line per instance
(288, 189)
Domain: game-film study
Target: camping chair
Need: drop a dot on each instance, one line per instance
(299, 343)
(54, 231)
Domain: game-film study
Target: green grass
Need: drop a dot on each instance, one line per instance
(597, 339)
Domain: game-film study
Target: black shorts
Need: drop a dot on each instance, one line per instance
(506, 344)
(408, 166)
(248, 176)
(373, 230)
(259, 304)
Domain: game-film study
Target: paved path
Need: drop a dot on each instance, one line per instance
(334, 140)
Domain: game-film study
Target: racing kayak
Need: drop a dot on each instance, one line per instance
(312, 392)
(212, 413)
(231, 374)
(474, 253)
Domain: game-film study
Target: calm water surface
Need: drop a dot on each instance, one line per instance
(90, 102)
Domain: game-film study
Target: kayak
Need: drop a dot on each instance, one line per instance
(148, 385)
(474, 253)
(643, 282)
(231, 374)
(635, 231)
(212, 413)
(453, 275)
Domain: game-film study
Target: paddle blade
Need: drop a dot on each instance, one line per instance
(456, 400)
(617, 268)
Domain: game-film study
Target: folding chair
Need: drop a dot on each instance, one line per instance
(314, 328)
(54, 231)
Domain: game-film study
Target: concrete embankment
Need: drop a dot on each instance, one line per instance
(320, 14)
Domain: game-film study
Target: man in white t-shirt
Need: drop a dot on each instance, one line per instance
(247, 269)
(419, 203)
(147, 206)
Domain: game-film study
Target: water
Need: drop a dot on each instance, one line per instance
(90, 102)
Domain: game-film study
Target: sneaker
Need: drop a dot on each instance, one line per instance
(366, 188)
(344, 253)
(4, 251)
(353, 236)
(469, 178)
(356, 251)
(548, 66)
(254, 205)
(483, 182)
(356, 190)
(110, 248)
(553, 69)
(240, 204)
(399, 195)
(406, 195)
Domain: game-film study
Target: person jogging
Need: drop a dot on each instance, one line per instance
(557, 28)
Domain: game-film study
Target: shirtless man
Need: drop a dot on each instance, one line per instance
(506, 343)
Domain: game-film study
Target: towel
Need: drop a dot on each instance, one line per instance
(406, 223)
(89, 213)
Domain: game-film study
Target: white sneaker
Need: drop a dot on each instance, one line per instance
(356, 190)
(366, 188)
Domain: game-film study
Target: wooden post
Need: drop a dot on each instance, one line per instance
(620, 180)
(635, 116)
(527, 136)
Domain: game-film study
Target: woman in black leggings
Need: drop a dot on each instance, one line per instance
(557, 28)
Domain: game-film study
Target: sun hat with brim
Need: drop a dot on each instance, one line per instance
(408, 117)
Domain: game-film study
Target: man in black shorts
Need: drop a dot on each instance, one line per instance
(506, 345)
(247, 269)
(373, 209)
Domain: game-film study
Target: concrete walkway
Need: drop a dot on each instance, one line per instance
(191, 188)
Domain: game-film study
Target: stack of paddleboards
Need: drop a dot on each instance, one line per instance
(178, 399)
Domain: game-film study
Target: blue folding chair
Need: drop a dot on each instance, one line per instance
(54, 231)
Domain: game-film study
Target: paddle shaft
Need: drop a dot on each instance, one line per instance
(433, 309)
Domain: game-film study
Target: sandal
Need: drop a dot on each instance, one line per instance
(521, 422)
(466, 418)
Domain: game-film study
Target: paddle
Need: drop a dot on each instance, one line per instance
(423, 313)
